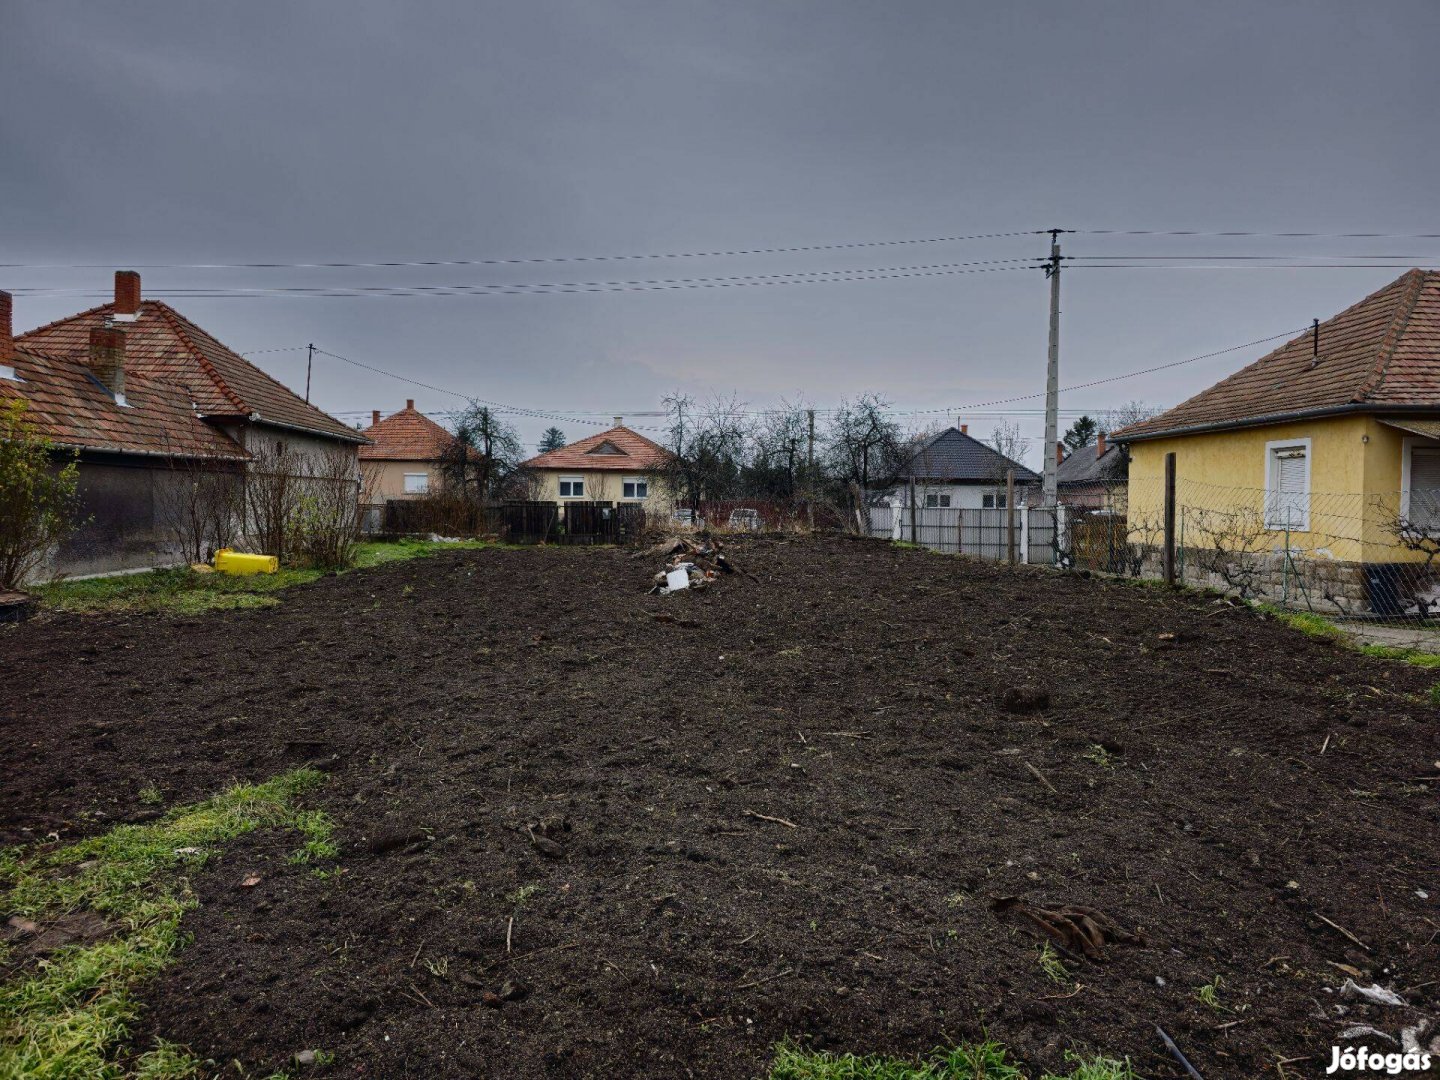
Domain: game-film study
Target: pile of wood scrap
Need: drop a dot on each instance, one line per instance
(688, 564)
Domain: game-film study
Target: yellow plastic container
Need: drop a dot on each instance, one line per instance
(237, 562)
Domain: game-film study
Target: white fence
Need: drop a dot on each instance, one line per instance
(985, 534)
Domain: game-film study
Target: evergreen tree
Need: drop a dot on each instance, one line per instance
(1081, 433)
(553, 439)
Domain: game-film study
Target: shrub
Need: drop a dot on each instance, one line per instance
(38, 502)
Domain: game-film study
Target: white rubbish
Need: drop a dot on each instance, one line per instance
(677, 579)
(1374, 993)
(1361, 1030)
(1422, 894)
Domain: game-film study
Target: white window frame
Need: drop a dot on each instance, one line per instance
(572, 481)
(422, 489)
(1272, 450)
(639, 482)
(1408, 445)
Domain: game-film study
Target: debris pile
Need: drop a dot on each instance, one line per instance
(689, 564)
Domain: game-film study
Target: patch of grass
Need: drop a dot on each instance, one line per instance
(149, 795)
(1209, 994)
(1098, 755)
(1050, 963)
(1308, 623)
(981, 1061)
(1396, 652)
(182, 591)
(68, 1014)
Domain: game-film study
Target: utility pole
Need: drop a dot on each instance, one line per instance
(810, 469)
(1052, 372)
(309, 359)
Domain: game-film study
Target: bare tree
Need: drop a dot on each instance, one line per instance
(201, 504)
(1007, 440)
(1131, 412)
(1232, 543)
(483, 455)
(707, 445)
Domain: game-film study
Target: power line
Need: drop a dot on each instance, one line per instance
(797, 249)
(1271, 235)
(951, 409)
(815, 277)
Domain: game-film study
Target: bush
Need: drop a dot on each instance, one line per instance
(38, 503)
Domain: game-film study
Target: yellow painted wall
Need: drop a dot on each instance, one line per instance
(601, 486)
(386, 479)
(1355, 478)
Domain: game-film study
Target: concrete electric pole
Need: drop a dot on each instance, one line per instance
(1052, 373)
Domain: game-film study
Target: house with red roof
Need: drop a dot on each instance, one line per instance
(403, 459)
(145, 400)
(1325, 450)
(618, 466)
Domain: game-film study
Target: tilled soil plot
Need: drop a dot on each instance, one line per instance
(784, 807)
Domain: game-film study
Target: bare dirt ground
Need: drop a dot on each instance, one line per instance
(785, 807)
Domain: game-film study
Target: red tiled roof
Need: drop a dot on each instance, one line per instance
(408, 435)
(1383, 352)
(616, 450)
(163, 344)
(72, 409)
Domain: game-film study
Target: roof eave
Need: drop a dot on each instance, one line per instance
(1268, 419)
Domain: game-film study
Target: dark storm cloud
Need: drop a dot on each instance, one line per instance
(186, 132)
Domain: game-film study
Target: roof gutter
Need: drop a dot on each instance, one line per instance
(241, 456)
(1272, 418)
(257, 418)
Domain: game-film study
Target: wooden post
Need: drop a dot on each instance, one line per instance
(1010, 516)
(1170, 518)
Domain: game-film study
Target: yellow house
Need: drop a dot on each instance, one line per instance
(618, 466)
(1327, 448)
(403, 458)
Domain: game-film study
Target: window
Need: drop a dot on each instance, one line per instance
(635, 487)
(572, 487)
(1422, 486)
(1287, 485)
(993, 500)
(937, 500)
(417, 483)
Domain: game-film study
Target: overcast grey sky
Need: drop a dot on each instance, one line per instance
(356, 131)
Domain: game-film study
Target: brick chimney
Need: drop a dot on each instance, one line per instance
(1059, 453)
(964, 429)
(107, 359)
(7, 338)
(409, 404)
(374, 417)
(127, 296)
(1100, 444)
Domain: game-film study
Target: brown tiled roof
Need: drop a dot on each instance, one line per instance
(408, 435)
(1382, 353)
(163, 344)
(72, 409)
(616, 450)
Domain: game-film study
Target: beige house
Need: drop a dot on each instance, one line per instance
(403, 458)
(616, 466)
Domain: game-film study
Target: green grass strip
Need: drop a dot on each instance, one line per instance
(182, 591)
(980, 1061)
(65, 1016)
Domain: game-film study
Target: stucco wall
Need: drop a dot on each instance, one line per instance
(386, 479)
(602, 486)
(1355, 482)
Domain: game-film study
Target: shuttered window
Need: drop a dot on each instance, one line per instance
(1425, 486)
(1287, 497)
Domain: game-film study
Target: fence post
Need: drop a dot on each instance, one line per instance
(1169, 561)
(1182, 545)
(1010, 515)
(1025, 536)
(914, 536)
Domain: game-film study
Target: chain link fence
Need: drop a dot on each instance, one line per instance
(1369, 562)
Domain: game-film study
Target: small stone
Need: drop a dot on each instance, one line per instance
(305, 1057)
(490, 1000)
(513, 990)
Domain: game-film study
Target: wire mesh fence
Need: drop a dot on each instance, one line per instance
(1370, 561)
